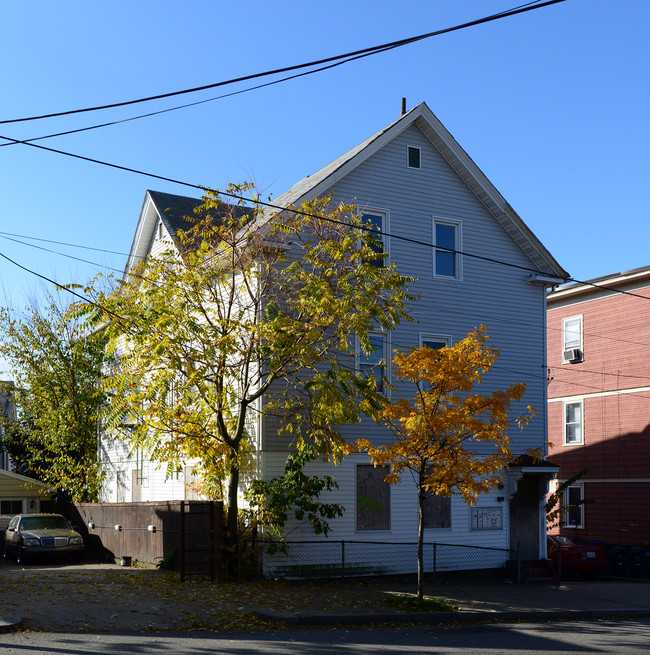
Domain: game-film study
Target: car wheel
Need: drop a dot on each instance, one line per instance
(21, 557)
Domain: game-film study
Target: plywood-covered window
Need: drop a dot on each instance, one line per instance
(373, 498)
(436, 512)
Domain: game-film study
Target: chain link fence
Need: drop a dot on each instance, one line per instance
(329, 559)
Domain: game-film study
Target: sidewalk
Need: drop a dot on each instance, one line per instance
(101, 597)
(571, 601)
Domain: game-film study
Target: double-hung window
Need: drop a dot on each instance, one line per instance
(435, 341)
(447, 261)
(377, 222)
(572, 339)
(574, 506)
(373, 362)
(573, 423)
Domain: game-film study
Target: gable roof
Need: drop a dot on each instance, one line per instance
(173, 210)
(421, 116)
(600, 287)
(11, 479)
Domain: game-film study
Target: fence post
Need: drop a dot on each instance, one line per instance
(342, 559)
(182, 544)
(211, 523)
(435, 557)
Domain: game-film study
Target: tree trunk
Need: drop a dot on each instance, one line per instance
(420, 543)
(232, 531)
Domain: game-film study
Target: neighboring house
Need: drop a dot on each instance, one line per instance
(8, 411)
(20, 495)
(599, 404)
(411, 179)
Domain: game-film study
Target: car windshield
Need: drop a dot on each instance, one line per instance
(44, 523)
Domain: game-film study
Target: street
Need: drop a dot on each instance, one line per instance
(622, 637)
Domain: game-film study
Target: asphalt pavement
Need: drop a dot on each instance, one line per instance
(107, 597)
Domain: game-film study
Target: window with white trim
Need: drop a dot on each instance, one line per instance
(574, 506)
(447, 262)
(573, 423)
(373, 498)
(435, 341)
(374, 361)
(572, 339)
(377, 221)
(413, 157)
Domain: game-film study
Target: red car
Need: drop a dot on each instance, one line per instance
(576, 555)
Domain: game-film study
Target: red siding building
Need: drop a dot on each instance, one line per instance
(599, 404)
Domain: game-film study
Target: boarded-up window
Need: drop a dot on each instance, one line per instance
(190, 484)
(373, 498)
(437, 512)
(121, 486)
(136, 486)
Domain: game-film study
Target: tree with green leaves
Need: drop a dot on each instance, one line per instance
(248, 314)
(57, 372)
(451, 438)
(271, 501)
(557, 507)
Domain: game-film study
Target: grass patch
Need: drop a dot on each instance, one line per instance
(409, 603)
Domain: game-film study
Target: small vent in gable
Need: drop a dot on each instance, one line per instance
(413, 157)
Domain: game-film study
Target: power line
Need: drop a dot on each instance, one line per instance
(357, 54)
(61, 286)
(170, 109)
(60, 243)
(274, 206)
(496, 367)
(17, 239)
(63, 254)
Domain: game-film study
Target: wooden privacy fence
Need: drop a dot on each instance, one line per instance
(185, 534)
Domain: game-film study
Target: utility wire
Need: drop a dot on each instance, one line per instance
(64, 287)
(17, 238)
(364, 52)
(59, 243)
(497, 367)
(169, 109)
(278, 208)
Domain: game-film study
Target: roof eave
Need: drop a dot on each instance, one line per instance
(458, 159)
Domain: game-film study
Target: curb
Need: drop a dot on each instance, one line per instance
(9, 625)
(442, 618)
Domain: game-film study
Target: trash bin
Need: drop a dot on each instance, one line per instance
(622, 561)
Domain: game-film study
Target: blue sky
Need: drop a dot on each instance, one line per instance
(552, 105)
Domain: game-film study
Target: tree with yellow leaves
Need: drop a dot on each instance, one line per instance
(451, 439)
(246, 314)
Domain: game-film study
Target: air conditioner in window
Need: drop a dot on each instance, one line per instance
(573, 355)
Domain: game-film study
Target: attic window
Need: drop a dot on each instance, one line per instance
(413, 157)
(160, 231)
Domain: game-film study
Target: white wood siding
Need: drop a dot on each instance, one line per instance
(489, 293)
